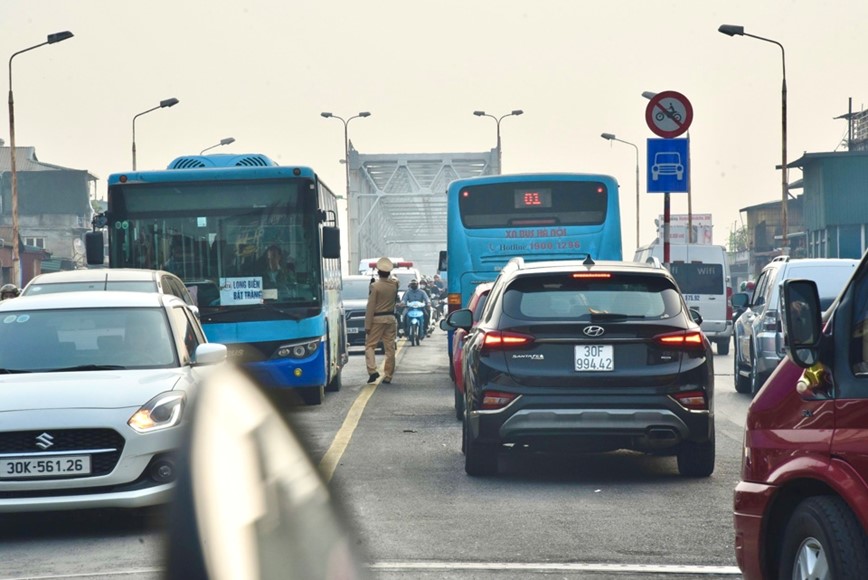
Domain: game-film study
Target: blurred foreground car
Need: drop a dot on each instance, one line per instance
(270, 516)
(93, 387)
(801, 507)
(582, 356)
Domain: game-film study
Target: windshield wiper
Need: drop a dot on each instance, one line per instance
(613, 316)
(13, 371)
(88, 368)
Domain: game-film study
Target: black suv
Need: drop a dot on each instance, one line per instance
(575, 356)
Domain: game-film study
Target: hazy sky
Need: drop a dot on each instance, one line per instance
(261, 71)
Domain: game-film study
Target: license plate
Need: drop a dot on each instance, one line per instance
(351, 330)
(591, 357)
(24, 467)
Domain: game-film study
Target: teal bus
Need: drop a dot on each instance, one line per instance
(539, 216)
(258, 247)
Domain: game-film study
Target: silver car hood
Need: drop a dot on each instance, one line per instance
(86, 389)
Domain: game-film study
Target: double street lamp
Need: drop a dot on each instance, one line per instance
(514, 113)
(346, 123)
(163, 104)
(226, 141)
(735, 30)
(16, 266)
(611, 137)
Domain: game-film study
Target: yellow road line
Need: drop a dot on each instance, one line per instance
(332, 457)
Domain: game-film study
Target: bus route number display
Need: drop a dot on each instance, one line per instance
(528, 198)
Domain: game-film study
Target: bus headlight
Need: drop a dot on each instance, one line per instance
(297, 350)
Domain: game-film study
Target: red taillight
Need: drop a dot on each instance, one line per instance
(500, 339)
(585, 275)
(683, 339)
(693, 400)
(404, 265)
(492, 400)
(728, 303)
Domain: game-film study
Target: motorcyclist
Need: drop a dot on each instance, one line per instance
(415, 294)
(9, 291)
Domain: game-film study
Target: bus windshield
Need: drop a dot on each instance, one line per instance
(233, 243)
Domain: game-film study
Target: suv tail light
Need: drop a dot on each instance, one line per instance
(693, 400)
(729, 303)
(770, 322)
(503, 339)
(686, 339)
(493, 400)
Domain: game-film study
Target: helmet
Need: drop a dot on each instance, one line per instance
(9, 291)
(385, 265)
(414, 284)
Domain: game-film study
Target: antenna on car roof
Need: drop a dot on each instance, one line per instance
(589, 261)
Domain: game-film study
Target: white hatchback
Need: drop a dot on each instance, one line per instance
(93, 387)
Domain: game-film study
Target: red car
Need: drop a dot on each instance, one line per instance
(801, 507)
(477, 302)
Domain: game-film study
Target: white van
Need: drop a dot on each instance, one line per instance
(702, 272)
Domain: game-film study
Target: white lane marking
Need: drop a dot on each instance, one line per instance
(138, 572)
(556, 567)
(332, 457)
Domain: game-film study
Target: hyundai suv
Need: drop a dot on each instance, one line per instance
(585, 356)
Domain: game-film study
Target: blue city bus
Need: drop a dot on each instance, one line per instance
(542, 216)
(257, 246)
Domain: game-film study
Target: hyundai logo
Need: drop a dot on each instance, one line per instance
(594, 331)
(44, 441)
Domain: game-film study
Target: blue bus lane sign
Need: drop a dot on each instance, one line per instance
(668, 165)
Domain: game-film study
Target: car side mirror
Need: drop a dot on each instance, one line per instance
(802, 323)
(444, 325)
(695, 316)
(459, 319)
(739, 300)
(210, 353)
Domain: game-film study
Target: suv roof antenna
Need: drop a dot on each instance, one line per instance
(589, 261)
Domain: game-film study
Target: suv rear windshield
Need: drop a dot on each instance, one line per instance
(563, 297)
(698, 278)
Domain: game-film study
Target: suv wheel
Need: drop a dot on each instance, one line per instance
(480, 459)
(723, 346)
(696, 459)
(742, 384)
(824, 535)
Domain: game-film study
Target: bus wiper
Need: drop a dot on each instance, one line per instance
(89, 368)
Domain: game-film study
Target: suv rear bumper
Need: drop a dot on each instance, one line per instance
(645, 423)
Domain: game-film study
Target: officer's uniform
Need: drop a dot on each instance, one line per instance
(380, 322)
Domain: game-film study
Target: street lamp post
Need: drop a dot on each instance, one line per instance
(735, 30)
(514, 113)
(163, 104)
(16, 266)
(226, 141)
(611, 137)
(346, 123)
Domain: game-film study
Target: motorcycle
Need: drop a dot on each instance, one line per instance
(415, 322)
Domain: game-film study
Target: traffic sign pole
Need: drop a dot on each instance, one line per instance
(666, 214)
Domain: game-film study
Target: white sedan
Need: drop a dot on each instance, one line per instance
(93, 387)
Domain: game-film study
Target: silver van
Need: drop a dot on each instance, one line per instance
(758, 339)
(702, 273)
